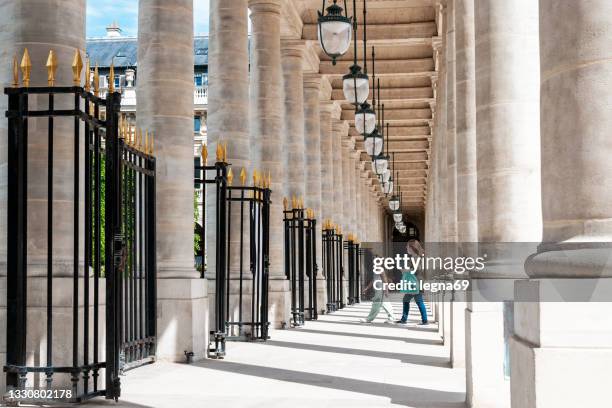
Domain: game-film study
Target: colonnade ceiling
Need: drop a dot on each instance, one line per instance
(404, 34)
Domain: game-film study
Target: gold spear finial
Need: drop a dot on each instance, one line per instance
(15, 72)
(243, 176)
(255, 178)
(230, 177)
(138, 138)
(96, 81)
(26, 68)
(204, 154)
(225, 152)
(87, 75)
(77, 67)
(219, 152)
(51, 68)
(285, 203)
(111, 79)
(293, 202)
(146, 142)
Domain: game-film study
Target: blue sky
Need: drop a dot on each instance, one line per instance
(101, 13)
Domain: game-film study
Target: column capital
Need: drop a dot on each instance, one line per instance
(312, 81)
(293, 48)
(265, 6)
(332, 107)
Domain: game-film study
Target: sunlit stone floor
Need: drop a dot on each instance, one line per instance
(333, 362)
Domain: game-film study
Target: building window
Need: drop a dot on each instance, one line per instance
(198, 80)
(197, 123)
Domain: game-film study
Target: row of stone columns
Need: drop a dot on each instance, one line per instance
(525, 82)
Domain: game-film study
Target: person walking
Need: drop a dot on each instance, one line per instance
(415, 249)
(379, 300)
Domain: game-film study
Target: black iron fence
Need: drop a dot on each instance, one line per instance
(354, 269)
(107, 315)
(242, 254)
(301, 262)
(333, 266)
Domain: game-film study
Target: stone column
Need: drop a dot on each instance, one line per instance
(294, 166)
(312, 148)
(165, 73)
(451, 180)
(340, 130)
(554, 340)
(467, 227)
(41, 26)
(327, 162)
(508, 174)
(228, 122)
(266, 138)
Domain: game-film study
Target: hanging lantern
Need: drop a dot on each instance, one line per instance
(388, 187)
(398, 216)
(394, 203)
(386, 176)
(365, 119)
(380, 164)
(373, 144)
(356, 84)
(335, 31)
(402, 229)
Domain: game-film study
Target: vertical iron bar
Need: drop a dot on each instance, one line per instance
(75, 289)
(49, 373)
(87, 253)
(97, 242)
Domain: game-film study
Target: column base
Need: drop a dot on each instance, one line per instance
(486, 386)
(321, 295)
(182, 319)
(561, 352)
(457, 334)
(279, 303)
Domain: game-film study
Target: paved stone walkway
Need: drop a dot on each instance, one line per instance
(333, 362)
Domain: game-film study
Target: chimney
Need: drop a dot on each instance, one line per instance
(113, 30)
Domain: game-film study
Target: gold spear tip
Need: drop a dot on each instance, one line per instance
(293, 202)
(219, 152)
(77, 67)
(225, 152)
(146, 143)
(88, 75)
(111, 79)
(230, 177)
(204, 154)
(15, 72)
(285, 203)
(26, 67)
(243, 176)
(51, 68)
(255, 178)
(269, 179)
(96, 80)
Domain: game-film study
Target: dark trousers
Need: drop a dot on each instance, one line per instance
(420, 303)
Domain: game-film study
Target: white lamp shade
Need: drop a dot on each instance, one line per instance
(397, 217)
(388, 187)
(402, 229)
(335, 37)
(386, 176)
(365, 122)
(373, 145)
(363, 89)
(379, 166)
(394, 204)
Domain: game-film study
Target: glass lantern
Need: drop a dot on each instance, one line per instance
(388, 187)
(380, 164)
(356, 84)
(334, 31)
(386, 176)
(373, 144)
(365, 119)
(402, 229)
(394, 203)
(398, 216)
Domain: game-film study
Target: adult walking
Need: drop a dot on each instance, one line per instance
(415, 249)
